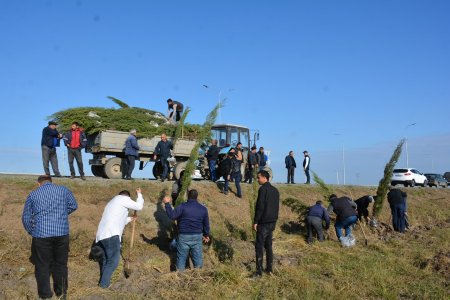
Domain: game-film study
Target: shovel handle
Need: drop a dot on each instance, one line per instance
(133, 226)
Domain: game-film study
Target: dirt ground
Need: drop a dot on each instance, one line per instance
(228, 260)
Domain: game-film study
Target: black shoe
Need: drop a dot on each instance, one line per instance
(59, 175)
(162, 179)
(72, 176)
(82, 177)
(257, 275)
(129, 178)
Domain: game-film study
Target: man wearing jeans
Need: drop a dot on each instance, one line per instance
(346, 214)
(46, 218)
(193, 228)
(110, 229)
(266, 216)
(49, 142)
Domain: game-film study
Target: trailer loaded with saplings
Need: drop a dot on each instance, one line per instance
(108, 146)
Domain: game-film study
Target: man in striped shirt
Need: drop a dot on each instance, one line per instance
(46, 218)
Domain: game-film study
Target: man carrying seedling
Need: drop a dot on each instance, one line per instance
(193, 227)
(109, 233)
(46, 218)
(266, 216)
(174, 111)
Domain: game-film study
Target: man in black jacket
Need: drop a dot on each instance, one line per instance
(266, 216)
(49, 142)
(397, 202)
(290, 166)
(175, 109)
(163, 150)
(362, 207)
(211, 155)
(346, 215)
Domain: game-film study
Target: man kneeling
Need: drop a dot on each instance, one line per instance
(193, 227)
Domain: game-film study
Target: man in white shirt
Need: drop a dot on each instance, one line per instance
(110, 229)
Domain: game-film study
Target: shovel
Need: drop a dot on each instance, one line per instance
(127, 269)
(362, 229)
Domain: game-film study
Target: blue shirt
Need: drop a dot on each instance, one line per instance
(192, 217)
(46, 211)
(320, 212)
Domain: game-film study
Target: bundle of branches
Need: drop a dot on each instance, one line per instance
(204, 134)
(148, 123)
(383, 186)
(297, 207)
(325, 190)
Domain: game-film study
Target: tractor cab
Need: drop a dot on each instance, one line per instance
(228, 135)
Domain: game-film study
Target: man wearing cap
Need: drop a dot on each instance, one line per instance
(306, 163)
(49, 142)
(175, 109)
(75, 140)
(362, 205)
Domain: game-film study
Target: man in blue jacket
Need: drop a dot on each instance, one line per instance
(131, 154)
(49, 142)
(316, 214)
(162, 149)
(193, 228)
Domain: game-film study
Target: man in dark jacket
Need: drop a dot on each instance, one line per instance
(397, 202)
(225, 170)
(49, 142)
(131, 154)
(316, 214)
(306, 163)
(266, 216)
(235, 173)
(346, 215)
(262, 159)
(75, 140)
(211, 155)
(175, 109)
(290, 166)
(193, 227)
(362, 205)
(252, 165)
(162, 149)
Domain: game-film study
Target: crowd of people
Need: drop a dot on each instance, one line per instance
(46, 210)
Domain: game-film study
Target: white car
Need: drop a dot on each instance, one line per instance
(408, 176)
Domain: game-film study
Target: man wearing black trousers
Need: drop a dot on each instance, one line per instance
(46, 218)
(290, 166)
(306, 163)
(266, 216)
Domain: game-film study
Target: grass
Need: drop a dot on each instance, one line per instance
(414, 265)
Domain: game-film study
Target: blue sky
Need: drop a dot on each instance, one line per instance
(315, 75)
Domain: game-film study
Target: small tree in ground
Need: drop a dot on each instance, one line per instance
(383, 186)
(204, 134)
(326, 190)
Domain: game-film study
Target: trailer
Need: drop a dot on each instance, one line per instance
(108, 150)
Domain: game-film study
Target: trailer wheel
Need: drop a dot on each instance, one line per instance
(179, 169)
(157, 169)
(97, 171)
(113, 168)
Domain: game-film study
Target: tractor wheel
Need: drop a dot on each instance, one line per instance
(113, 168)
